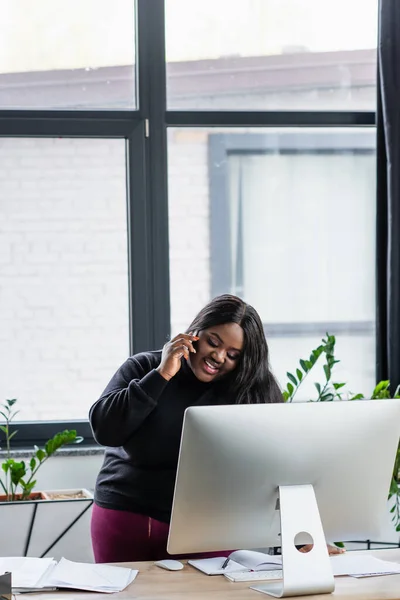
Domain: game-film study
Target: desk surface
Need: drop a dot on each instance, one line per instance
(153, 583)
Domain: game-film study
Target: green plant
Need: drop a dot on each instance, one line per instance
(17, 474)
(328, 391)
(382, 390)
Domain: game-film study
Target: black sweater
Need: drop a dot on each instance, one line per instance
(139, 417)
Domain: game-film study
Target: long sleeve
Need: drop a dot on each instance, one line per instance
(128, 400)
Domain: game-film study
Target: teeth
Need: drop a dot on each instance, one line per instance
(211, 365)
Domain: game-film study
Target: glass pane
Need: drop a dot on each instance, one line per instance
(286, 220)
(63, 273)
(271, 54)
(67, 55)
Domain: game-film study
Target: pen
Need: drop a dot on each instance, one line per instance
(225, 563)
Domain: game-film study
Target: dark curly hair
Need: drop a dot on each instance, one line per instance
(252, 381)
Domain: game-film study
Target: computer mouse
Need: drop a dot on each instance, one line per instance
(169, 564)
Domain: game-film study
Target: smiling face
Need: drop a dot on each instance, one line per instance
(217, 351)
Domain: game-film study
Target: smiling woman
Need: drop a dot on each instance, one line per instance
(218, 351)
(222, 358)
(207, 354)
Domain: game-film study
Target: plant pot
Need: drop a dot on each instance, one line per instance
(18, 497)
(36, 527)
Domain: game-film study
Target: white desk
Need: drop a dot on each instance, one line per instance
(153, 583)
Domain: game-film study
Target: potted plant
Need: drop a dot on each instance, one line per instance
(26, 513)
(329, 390)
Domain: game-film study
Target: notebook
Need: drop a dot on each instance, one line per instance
(240, 560)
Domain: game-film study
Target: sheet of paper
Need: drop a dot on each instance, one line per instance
(361, 566)
(26, 572)
(91, 577)
(212, 566)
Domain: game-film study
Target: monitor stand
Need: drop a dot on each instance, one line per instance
(303, 573)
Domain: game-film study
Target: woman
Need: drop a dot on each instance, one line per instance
(221, 359)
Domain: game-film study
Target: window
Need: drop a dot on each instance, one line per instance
(271, 54)
(254, 213)
(74, 54)
(63, 272)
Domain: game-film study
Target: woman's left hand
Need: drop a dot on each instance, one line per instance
(332, 550)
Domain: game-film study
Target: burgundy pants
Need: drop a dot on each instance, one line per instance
(122, 536)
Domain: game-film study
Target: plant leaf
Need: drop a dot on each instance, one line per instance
(394, 488)
(303, 365)
(337, 386)
(357, 397)
(292, 378)
(40, 454)
(18, 471)
(60, 439)
(327, 372)
(7, 464)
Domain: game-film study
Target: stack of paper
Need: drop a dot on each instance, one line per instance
(27, 573)
(94, 578)
(31, 574)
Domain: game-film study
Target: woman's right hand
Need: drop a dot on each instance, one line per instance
(172, 353)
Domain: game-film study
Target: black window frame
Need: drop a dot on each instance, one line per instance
(145, 132)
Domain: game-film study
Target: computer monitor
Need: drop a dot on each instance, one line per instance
(325, 462)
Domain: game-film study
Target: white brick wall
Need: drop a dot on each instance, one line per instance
(63, 272)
